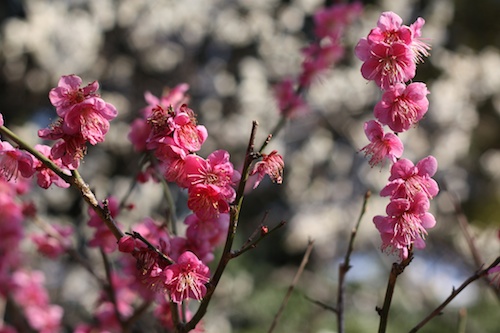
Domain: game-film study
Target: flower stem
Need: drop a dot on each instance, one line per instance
(397, 269)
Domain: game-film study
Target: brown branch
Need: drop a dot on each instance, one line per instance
(234, 214)
(252, 242)
(302, 266)
(479, 274)
(464, 224)
(74, 180)
(346, 266)
(397, 269)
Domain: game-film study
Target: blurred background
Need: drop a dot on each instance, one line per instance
(231, 53)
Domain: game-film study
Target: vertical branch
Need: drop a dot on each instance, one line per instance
(397, 269)
(345, 266)
(302, 266)
(234, 214)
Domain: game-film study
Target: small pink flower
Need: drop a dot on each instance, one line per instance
(216, 170)
(389, 64)
(14, 162)
(271, 164)
(187, 278)
(173, 161)
(381, 145)
(90, 118)
(402, 106)
(207, 201)
(405, 224)
(51, 246)
(1, 119)
(390, 29)
(187, 134)
(407, 180)
(68, 93)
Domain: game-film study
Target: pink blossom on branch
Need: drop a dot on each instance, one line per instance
(187, 278)
(387, 64)
(406, 223)
(216, 169)
(382, 145)
(407, 179)
(68, 93)
(207, 201)
(271, 164)
(402, 106)
(391, 51)
(14, 162)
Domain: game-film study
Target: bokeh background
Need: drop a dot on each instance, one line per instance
(231, 53)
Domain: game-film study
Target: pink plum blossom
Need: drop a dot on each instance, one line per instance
(271, 164)
(407, 179)
(405, 224)
(391, 51)
(188, 135)
(207, 201)
(389, 64)
(68, 93)
(216, 170)
(90, 119)
(14, 162)
(1, 119)
(381, 145)
(187, 278)
(402, 106)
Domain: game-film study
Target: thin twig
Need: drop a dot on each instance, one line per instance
(464, 224)
(345, 266)
(162, 255)
(252, 242)
(479, 274)
(302, 266)
(321, 304)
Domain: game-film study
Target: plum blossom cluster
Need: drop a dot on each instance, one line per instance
(83, 118)
(390, 54)
(169, 134)
(330, 24)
